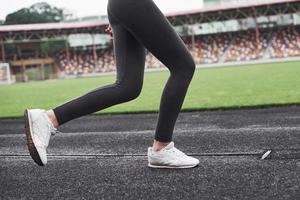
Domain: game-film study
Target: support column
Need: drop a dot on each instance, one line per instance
(3, 55)
(293, 19)
(19, 51)
(193, 39)
(94, 51)
(42, 71)
(23, 72)
(256, 28)
(67, 48)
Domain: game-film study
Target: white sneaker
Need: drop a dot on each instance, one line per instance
(170, 157)
(38, 128)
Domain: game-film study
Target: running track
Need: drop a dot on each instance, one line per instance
(104, 157)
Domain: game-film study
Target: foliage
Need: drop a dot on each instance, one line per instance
(37, 13)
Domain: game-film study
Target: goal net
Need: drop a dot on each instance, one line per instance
(5, 76)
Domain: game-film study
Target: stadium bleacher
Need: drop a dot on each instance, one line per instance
(208, 49)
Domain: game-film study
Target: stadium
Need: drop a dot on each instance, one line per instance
(242, 105)
(250, 32)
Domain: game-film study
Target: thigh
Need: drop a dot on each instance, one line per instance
(144, 20)
(129, 53)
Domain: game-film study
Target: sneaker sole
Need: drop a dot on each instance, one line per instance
(171, 167)
(30, 144)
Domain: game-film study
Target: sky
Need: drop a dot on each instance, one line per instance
(93, 7)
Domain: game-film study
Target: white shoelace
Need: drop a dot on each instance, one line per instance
(51, 128)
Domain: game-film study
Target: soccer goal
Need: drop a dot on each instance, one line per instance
(5, 76)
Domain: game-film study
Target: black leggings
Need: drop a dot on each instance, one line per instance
(137, 24)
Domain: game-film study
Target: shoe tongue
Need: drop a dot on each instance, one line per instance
(169, 146)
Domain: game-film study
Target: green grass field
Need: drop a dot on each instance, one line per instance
(253, 85)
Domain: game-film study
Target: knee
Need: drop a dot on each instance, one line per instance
(186, 68)
(190, 69)
(133, 92)
(130, 90)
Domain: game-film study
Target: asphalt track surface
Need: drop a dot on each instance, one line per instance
(104, 157)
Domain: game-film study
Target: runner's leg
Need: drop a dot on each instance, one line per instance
(130, 62)
(146, 22)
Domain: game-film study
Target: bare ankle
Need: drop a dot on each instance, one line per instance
(52, 118)
(157, 145)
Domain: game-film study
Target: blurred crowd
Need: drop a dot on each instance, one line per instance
(246, 46)
(84, 62)
(206, 49)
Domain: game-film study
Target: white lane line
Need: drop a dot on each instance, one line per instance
(136, 155)
(204, 129)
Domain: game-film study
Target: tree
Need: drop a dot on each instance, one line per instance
(37, 13)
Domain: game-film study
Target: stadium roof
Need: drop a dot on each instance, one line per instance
(223, 13)
(38, 31)
(230, 7)
(53, 26)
